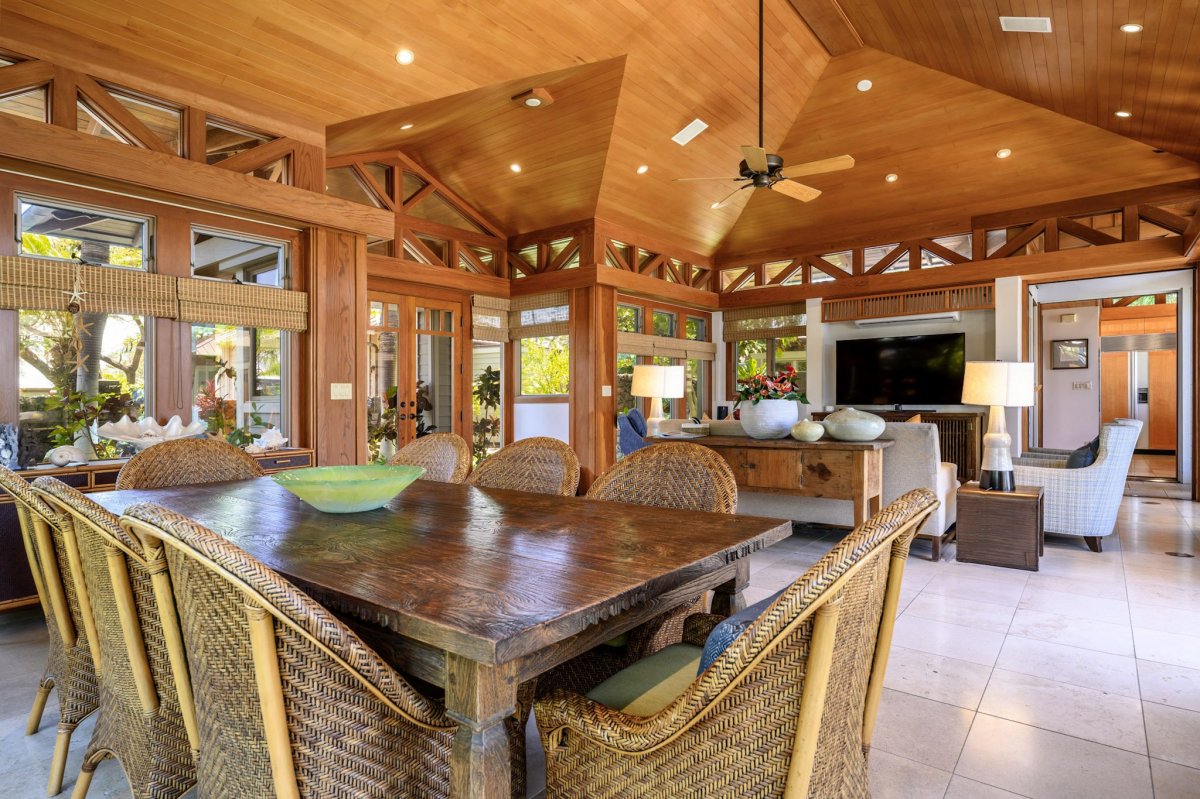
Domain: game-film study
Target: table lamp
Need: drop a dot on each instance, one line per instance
(999, 385)
(657, 383)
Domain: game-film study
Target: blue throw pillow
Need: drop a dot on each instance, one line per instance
(727, 631)
(1085, 455)
(637, 420)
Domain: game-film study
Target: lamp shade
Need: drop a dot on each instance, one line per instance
(651, 380)
(998, 383)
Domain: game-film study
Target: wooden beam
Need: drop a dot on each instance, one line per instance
(1088, 234)
(373, 186)
(100, 101)
(1191, 244)
(883, 263)
(83, 155)
(64, 98)
(448, 232)
(795, 266)
(1166, 192)
(817, 262)
(1021, 240)
(386, 268)
(25, 75)
(450, 195)
(830, 24)
(654, 288)
(257, 157)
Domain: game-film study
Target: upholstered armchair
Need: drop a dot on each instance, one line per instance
(1084, 502)
(631, 428)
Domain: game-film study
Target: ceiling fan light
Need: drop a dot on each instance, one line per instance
(1003, 152)
(891, 177)
(1123, 114)
(643, 169)
(405, 57)
(864, 85)
(515, 167)
(1131, 27)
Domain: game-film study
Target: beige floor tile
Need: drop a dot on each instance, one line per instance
(1173, 734)
(893, 777)
(1173, 781)
(956, 610)
(950, 640)
(936, 677)
(1114, 674)
(1086, 713)
(967, 587)
(920, 729)
(1084, 633)
(1178, 650)
(1151, 593)
(1170, 620)
(1048, 765)
(1168, 685)
(1113, 611)
(1111, 588)
(982, 572)
(963, 788)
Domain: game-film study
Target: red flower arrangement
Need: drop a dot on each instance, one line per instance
(780, 385)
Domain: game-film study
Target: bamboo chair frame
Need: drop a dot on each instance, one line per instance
(71, 665)
(586, 741)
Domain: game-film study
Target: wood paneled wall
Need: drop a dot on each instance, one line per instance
(593, 366)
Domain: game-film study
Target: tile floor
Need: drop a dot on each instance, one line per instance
(1079, 680)
(1153, 466)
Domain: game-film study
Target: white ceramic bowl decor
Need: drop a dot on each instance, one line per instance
(850, 424)
(769, 418)
(147, 432)
(62, 456)
(808, 430)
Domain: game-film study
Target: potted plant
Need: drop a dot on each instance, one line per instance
(768, 403)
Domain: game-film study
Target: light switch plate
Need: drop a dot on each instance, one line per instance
(341, 391)
(606, 391)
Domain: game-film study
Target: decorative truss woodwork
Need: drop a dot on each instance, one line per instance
(77, 101)
(907, 303)
(1097, 228)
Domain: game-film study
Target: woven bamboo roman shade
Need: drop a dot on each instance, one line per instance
(537, 315)
(773, 321)
(642, 344)
(489, 318)
(225, 303)
(38, 284)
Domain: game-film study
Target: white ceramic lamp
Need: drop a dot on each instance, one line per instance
(657, 383)
(999, 385)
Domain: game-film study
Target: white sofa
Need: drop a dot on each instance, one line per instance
(913, 461)
(1084, 502)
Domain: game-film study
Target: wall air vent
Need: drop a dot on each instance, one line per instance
(1025, 24)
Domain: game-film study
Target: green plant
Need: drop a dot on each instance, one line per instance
(80, 411)
(424, 404)
(486, 428)
(763, 386)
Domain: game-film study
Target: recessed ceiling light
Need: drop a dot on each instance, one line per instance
(643, 169)
(406, 126)
(1123, 114)
(715, 205)
(891, 177)
(405, 57)
(690, 131)
(864, 85)
(1025, 24)
(1003, 152)
(537, 97)
(515, 167)
(1131, 27)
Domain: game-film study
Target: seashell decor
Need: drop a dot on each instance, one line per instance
(271, 439)
(148, 432)
(62, 456)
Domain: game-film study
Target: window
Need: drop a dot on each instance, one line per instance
(629, 318)
(696, 329)
(233, 256)
(625, 399)
(160, 119)
(545, 364)
(695, 375)
(30, 104)
(239, 384)
(53, 230)
(487, 359)
(756, 356)
(664, 323)
(79, 371)
(655, 333)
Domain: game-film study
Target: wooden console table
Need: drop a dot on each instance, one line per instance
(830, 469)
(16, 583)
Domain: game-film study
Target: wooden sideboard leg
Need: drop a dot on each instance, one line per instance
(729, 597)
(480, 697)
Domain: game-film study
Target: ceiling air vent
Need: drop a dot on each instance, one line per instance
(1025, 24)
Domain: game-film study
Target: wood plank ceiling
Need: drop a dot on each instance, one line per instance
(626, 74)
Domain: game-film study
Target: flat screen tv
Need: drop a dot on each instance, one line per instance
(901, 370)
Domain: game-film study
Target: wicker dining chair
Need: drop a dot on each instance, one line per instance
(70, 667)
(787, 709)
(289, 701)
(141, 722)
(541, 465)
(187, 461)
(445, 456)
(672, 475)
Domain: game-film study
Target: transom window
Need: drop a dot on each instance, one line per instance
(245, 259)
(50, 229)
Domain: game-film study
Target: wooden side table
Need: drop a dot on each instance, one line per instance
(1000, 528)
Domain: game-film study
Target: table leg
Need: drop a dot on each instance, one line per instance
(480, 697)
(730, 597)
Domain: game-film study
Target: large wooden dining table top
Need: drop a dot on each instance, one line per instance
(486, 588)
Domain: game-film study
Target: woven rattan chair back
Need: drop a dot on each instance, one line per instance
(445, 456)
(786, 710)
(289, 701)
(70, 666)
(540, 465)
(673, 475)
(187, 461)
(141, 721)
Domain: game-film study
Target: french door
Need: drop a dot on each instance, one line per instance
(414, 367)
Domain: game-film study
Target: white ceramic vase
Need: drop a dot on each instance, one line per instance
(850, 424)
(769, 418)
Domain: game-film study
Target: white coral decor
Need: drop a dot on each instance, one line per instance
(147, 432)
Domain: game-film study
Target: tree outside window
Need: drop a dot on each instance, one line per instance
(545, 366)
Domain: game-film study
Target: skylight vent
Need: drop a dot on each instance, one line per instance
(1025, 24)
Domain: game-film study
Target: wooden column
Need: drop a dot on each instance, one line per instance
(1195, 384)
(333, 349)
(171, 392)
(10, 350)
(593, 366)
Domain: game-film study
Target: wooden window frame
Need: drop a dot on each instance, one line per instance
(681, 312)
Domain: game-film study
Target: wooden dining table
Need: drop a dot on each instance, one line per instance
(483, 589)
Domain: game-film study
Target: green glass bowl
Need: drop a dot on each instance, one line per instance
(348, 489)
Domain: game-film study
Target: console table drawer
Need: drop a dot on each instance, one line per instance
(807, 472)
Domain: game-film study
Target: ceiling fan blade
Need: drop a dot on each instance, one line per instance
(689, 180)
(731, 195)
(756, 158)
(797, 191)
(834, 164)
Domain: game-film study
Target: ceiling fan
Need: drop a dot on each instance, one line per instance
(762, 170)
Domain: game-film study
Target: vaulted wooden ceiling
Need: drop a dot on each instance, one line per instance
(626, 74)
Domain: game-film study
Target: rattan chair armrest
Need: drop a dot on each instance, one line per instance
(698, 626)
(566, 711)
